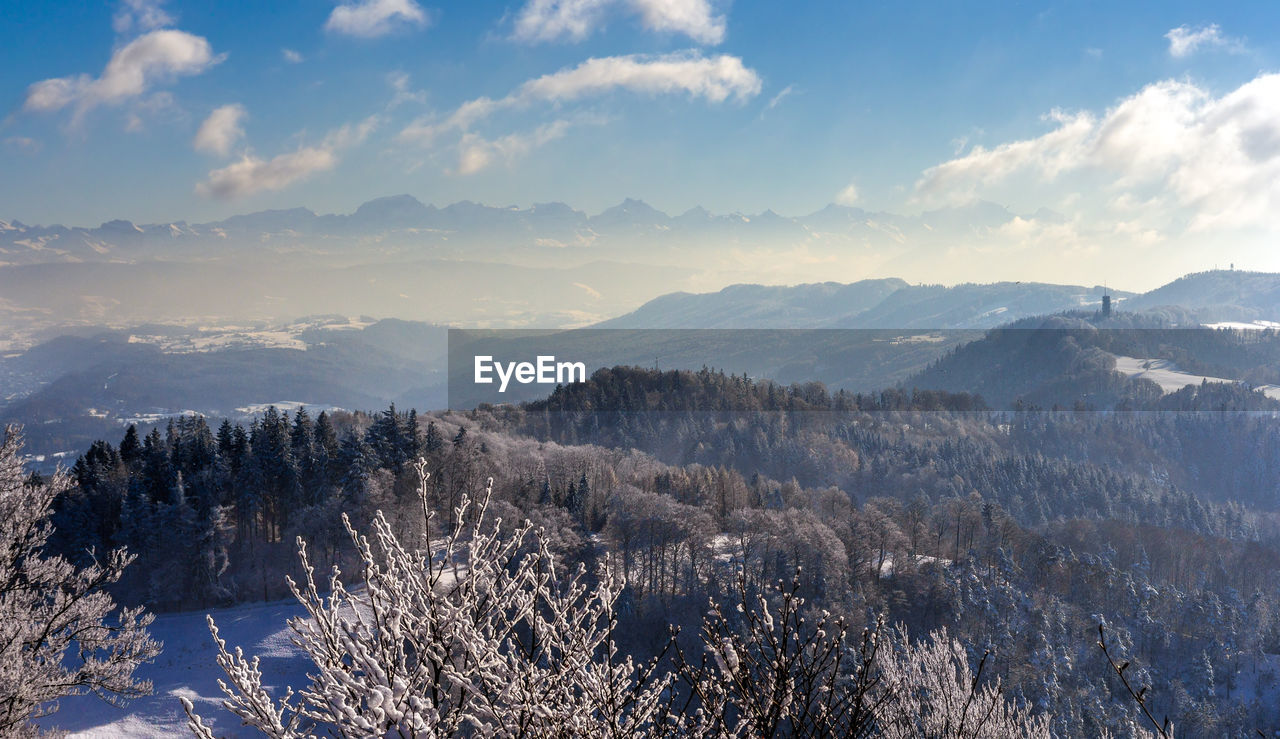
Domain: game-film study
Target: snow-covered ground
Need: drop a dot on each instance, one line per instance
(1239, 326)
(1171, 379)
(214, 337)
(886, 569)
(187, 668)
(1162, 372)
(287, 406)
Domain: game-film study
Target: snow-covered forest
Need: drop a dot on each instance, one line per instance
(1001, 541)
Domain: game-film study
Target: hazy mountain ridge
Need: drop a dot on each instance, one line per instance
(386, 221)
(1204, 297)
(69, 389)
(546, 265)
(888, 303)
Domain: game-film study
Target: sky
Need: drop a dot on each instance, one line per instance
(1142, 126)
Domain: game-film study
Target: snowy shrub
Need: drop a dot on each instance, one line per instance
(774, 668)
(59, 631)
(766, 671)
(479, 633)
(930, 691)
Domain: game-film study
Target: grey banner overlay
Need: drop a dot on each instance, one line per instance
(1073, 368)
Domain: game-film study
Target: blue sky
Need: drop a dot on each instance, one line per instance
(165, 111)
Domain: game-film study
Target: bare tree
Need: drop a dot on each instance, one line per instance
(60, 631)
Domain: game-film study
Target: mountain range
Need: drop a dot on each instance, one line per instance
(547, 265)
(387, 225)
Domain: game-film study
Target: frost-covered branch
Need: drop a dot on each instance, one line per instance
(477, 633)
(60, 633)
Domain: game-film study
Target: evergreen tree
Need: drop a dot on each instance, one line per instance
(356, 458)
(131, 448)
(433, 442)
(387, 438)
(326, 451)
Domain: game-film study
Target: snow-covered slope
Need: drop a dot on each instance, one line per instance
(1171, 379)
(187, 668)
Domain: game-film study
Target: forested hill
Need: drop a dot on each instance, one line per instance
(632, 389)
(1070, 361)
(1016, 530)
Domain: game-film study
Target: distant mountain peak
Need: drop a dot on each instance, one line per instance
(403, 199)
(553, 208)
(399, 209)
(633, 206)
(120, 226)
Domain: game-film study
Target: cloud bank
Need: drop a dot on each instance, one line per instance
(575, 20)
(714, 79)
(1173, 151)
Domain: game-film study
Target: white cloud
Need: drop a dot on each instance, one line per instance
(1209, 161)
(142, 15)
(551, 20)
(1185, 40)
(221, 130)
(476, 153)
(404, 93)
(712, 78)
(959, 179)
(150, 59)
(773, 102)
(847, 196)
(373, 18)
(291, 56)
(351, 135)
(252, 174)
(715, 79)
(548, 20)
(690, 17)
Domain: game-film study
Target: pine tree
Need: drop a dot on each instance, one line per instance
(411, 437)
(433, 442)
(579, 499)
(326, 451)
(131, 448)
(356, 459)
(387, 439)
